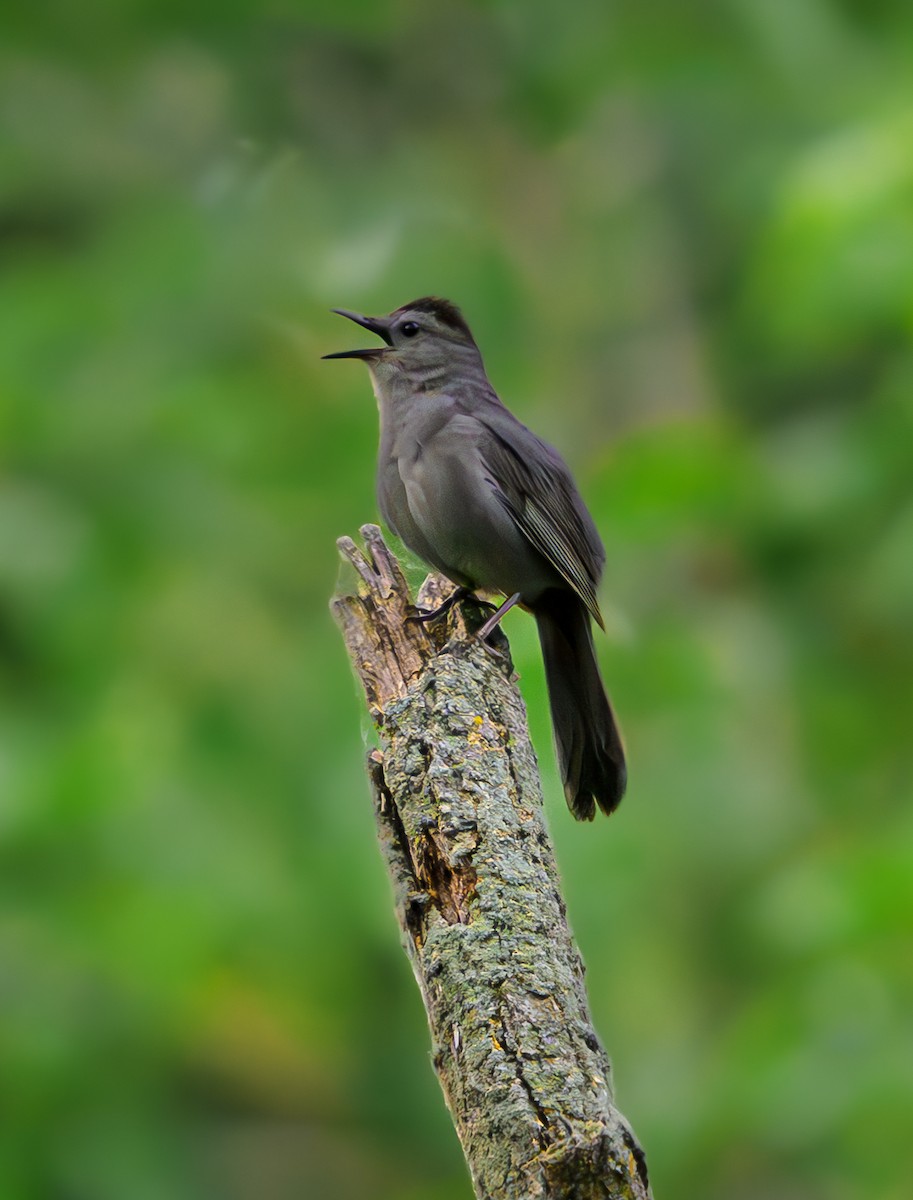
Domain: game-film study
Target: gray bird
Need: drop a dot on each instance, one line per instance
(477, 495)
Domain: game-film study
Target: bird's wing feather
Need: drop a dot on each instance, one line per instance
(534, 485)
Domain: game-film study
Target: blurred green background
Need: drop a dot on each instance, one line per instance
(684, 237)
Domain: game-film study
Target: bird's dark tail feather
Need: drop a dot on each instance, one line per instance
(587, 742)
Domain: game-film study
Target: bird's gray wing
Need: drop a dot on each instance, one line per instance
(531, 480)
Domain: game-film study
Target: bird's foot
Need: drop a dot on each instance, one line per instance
(423, 616)
(495, 619)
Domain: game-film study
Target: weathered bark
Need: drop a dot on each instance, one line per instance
(459, 816)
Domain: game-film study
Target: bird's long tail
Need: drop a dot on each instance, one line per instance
(590, 755)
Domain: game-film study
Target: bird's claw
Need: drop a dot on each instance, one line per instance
(423, 616)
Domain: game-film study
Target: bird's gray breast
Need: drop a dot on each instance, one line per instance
(436, 491)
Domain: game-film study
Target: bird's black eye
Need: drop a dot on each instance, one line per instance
(410, 328)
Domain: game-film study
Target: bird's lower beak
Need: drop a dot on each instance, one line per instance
(378, 325)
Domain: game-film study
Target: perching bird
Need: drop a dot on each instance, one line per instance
(477, 495)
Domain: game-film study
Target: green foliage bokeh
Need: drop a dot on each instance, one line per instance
(684, 237)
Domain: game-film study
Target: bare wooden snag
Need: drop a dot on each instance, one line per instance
(459, 816)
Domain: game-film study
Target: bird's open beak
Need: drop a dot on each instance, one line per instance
(378, 325)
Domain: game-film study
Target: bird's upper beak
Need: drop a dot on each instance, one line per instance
(378, 325)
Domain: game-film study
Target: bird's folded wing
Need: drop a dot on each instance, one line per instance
(536, 489)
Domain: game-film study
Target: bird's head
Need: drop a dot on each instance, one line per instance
(422, 339)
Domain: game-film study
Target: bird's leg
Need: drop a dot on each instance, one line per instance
(495, 617)
(459, 593)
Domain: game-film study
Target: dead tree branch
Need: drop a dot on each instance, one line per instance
(459, 816)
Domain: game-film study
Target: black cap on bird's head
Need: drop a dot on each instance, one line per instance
(443, 315)
(400, 330)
